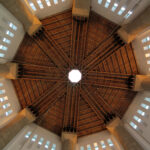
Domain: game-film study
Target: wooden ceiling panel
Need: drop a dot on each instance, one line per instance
(30, 53)
(98, 30)
(87, 119)
(53, 118)
(29, 90)
(91, 46)
(60, 26)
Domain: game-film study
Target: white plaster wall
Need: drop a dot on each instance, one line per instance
(113, 16)
(21, 143)
(142, 134)
(5, 18)
(140, 53)
(12, 99)
(49, 10)
(101, 136)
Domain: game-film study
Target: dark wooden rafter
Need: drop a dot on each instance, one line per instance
(99, 30)
(78, 41)
(71, 107)
(106, 79)
(104, 111)
(36, 72)
(90, 46)
(118, 99)
(60, 49)
(105, 104)
(57, 30)
(53, 119)
(49, 98)
(87, 96)
(47, 47)
(104, 50)
(121, 61)
(30, 53)
(88, 121)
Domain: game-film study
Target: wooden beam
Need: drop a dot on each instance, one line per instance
(88, 97)
(71, 106)
(49, 98)
(114, 80)
(78, 41)
(104, 50)
(36, 72)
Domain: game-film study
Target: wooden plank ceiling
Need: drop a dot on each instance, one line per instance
(90, 46)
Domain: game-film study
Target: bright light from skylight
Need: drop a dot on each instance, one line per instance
(74, 76)
(55, 2)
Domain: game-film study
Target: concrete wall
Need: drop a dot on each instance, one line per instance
(142, 133)
(100, 9)
(5, 18)
(113, 16)
(49, 10)
(140, 52)
(21, 143)
(96, 138)
(12, 99)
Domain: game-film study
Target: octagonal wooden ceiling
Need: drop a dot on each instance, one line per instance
(90, 46)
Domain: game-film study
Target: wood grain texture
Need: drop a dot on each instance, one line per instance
(90, 45)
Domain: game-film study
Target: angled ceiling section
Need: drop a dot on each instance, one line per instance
(60, 28)
(98, 29)
(88, 121)
(29, 91)
(38, 56)
(53, 118)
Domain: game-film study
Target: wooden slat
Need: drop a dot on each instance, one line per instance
(90, 46)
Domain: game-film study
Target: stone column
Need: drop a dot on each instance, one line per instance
(9, 70)
(8, 132)
(129, 31)
(142, 82)
(69, 141)
(116, 128)
(30, 22)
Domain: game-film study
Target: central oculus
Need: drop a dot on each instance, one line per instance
(74, 76)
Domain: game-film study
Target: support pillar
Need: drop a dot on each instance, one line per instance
(30, 22)
(129, 31)
(9, 70)
(116, 128)
(142, 82)
(81, 9)
(69, 141)
(8, 132)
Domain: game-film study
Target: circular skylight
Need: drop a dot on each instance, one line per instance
(74, 76)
